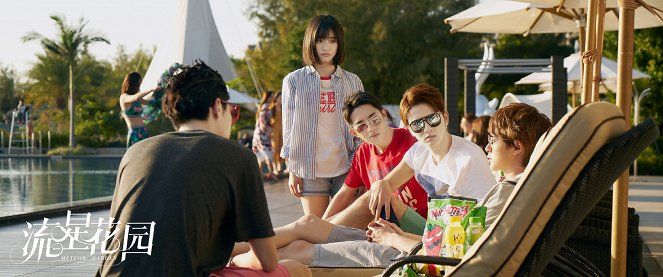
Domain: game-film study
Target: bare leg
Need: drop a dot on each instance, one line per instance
(308, 228)
(295, 268)
(300, 251)
(315, 205)
(358, 215)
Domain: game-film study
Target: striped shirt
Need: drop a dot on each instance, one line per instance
(301, 103)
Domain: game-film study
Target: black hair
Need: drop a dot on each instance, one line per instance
(191, 92)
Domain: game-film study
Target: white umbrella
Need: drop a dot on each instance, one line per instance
(572, 64)
(515, 17)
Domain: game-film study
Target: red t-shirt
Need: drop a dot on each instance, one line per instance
(368, 166)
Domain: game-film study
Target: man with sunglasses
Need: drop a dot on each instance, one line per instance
(188, 192)
(443, 164)
(382, 150)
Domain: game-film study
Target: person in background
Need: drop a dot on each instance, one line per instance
(480, 131)
(466, 125)
(317, 145)
(131, 104)
(262, 135)
(390, 120)
(276, 109)
(188, 190)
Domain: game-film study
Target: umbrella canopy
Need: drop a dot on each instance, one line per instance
(572, 64)
(541, 16)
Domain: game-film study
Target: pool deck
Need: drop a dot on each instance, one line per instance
(645, 194)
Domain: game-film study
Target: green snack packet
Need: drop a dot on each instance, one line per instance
(439, 212)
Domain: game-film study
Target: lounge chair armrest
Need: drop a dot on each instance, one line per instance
(419, 259)
(416, 248)
(578, 262)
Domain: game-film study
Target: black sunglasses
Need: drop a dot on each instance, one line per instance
(433, 120)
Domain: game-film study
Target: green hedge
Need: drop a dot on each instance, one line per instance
(650, 162)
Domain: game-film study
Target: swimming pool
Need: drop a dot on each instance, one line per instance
(30, 184)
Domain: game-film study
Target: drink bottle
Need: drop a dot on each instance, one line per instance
(473, 232)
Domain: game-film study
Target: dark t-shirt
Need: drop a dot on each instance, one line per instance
(202, 191)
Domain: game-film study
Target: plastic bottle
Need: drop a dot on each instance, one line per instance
(474, 231)
(454, 239)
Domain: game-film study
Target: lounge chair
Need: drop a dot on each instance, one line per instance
(565, 179)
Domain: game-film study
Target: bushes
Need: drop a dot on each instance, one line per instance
(65, 151)
(650, 162)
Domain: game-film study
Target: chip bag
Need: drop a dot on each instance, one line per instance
(439, 211)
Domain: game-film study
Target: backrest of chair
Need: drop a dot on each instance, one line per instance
(588, 189)
(557, 160)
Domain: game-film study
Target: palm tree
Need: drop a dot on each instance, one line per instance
(71, 41)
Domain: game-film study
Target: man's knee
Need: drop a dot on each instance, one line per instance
(307, 220)
(299, 250)
(298, 245)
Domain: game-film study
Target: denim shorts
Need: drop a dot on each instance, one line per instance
(323, 186)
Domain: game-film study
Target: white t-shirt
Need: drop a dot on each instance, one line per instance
(330, 161)
(464, 171)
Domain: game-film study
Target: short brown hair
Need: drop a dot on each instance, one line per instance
(419, 94)
(319, 28)
(522, 122)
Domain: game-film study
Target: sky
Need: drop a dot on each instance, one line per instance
(132, 23)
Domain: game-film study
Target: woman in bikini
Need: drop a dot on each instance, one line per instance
(131, 104)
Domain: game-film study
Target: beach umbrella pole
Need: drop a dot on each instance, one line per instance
(624, 101)
(596, 82)
(588, 57)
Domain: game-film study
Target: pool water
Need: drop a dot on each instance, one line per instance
(29, 184)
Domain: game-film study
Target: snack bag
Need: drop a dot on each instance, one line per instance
(439, 212)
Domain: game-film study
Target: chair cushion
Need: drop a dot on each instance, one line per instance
(558, 158)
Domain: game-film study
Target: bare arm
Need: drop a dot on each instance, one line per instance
(127, 98)
(262, 256)
(343, 198)
(381, 190)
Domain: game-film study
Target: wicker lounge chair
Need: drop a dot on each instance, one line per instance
(559, 188)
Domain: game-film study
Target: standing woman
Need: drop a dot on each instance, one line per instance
(131, 104)
(317, 144)
(277, 133)
(262, 135)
